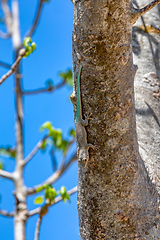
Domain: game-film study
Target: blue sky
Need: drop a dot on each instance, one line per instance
(53, 54)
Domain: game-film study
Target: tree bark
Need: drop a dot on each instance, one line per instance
(21, 211)
(116, 199)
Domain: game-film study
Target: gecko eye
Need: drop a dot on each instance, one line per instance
(81, 159)
(83, 155)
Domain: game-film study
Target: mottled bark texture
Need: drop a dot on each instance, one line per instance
(116, 199)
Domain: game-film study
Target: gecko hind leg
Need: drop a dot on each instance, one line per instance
(89, 145)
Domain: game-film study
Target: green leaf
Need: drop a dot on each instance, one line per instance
(72, 133)
(55, 136)
(67, 77)
(41, 188)
(27, 54)
(29, 49)
(63, 192)
(39, 200)
(44, 145)
(33, 46)
(12, 153)
(1, 165)
(26, 41)
(50, 193)
(63, 145)
(62, 75)
(29, 46)
(8, 152)
(46, 125)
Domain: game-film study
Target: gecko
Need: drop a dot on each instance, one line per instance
(80, 124)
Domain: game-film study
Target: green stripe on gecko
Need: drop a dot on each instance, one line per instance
(78, 112)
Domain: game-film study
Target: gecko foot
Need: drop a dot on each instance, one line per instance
(88, 115)
(84, 122)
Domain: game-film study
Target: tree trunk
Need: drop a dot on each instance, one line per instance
(116, 199)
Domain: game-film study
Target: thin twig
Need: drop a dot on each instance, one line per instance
(6, 174)
(6, 65)
(72, 159)
(57, 199)
(43, 211)
(35, 150)
(6, 213)
(139, 12)
(43, 90)
(4, 35)
(38, 225)
(70, 192)
(155, 27)
(48, 181)
(36, 20)
(53, 178)
(14, 66)
(65, 154)
(53, 159)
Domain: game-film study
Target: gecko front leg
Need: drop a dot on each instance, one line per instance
(85, 121)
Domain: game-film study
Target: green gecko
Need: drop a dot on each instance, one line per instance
(80, 124)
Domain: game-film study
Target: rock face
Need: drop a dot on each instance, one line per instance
(146, 49)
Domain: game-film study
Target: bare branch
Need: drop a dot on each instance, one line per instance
(35, 150)
(6, 65)
(43, 210)
(44, 90)
(6, 174)
(155, 27)
(72, 159)
(8, 19)
(14, 66)
(70, 192)
(48, 181)
(36, 20)
(4, 35)
(38, 225)
(53, 159)
(65, 154)
(34, 212)
(6, 213)
(136, 13)
(54, 177)
(20, 196)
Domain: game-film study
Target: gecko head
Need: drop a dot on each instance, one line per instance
(83, 154)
